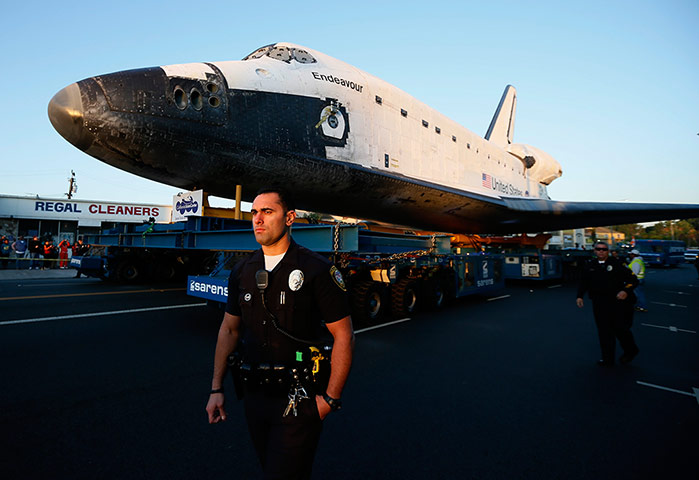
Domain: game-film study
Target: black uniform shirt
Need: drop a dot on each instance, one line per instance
(35, 247)
(304, 290)
(604, 280)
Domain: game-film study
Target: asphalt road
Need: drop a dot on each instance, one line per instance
(485, 389)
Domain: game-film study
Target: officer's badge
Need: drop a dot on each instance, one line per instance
(247, 297)
(337, 278)
(609, 268)
(295, 280)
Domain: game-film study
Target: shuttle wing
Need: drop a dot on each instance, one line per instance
(540, 215)
(401, 200)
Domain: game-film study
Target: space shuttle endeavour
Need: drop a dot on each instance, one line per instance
(341, 140)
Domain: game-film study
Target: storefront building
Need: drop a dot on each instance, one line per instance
(58, 219)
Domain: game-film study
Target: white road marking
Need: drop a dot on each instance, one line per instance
(498, 298)
(672, 329)
(678, 293)
(695, 394)
(670, 304)
(361, 330)
(97, 314)
(555, 286)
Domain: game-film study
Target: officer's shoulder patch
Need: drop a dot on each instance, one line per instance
(337, 278)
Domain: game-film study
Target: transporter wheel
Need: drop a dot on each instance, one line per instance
(435, 294)
(128, 271)
(404, 297)
(448, 282)
(367, 302)
(165, 270)
(208, 264)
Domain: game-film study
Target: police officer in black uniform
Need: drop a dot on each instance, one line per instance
(270, 321)
(610, 286)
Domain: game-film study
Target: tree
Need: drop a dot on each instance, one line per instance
(312, 217)
(631, 230)
(683, 230)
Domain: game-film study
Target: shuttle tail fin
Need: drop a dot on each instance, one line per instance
(502, 127)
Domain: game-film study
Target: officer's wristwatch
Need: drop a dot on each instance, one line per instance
(335, 403)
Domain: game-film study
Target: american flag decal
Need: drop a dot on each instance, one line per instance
(486, 181)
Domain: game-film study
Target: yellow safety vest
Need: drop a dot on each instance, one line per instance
(642, 271)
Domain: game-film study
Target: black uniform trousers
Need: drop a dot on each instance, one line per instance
(614, 318)
(285, 446)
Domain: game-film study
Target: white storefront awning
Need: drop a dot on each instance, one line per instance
(86, 212)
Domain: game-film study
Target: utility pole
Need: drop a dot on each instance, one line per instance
(72, 186)
(611, 237)
(672, 230)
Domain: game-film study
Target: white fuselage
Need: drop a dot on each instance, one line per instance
(389, 130)
(339, 140)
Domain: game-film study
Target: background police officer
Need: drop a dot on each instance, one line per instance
(639, 269)
(303, 289)
(610, 286)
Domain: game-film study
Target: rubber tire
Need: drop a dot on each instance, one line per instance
(128, 271)
(367, 302)
(404, 297)
(165, 270)
(435, 294)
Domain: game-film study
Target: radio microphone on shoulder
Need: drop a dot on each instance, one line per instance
(262, 279)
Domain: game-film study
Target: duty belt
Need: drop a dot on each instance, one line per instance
(272, 377)
(311, 370)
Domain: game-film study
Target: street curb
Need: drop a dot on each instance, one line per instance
(36, 274)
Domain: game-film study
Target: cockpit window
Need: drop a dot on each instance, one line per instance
(280, 52)
(260, 52)
(302, 56)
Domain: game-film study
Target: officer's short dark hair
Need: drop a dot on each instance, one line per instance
(285, 197)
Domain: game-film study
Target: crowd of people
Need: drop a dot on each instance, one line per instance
(38, 254)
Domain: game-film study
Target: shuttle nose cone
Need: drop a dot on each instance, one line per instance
(66, 115)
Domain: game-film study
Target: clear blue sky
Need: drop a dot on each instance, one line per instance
(609, 89)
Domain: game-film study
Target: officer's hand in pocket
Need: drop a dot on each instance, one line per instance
(323, 407)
